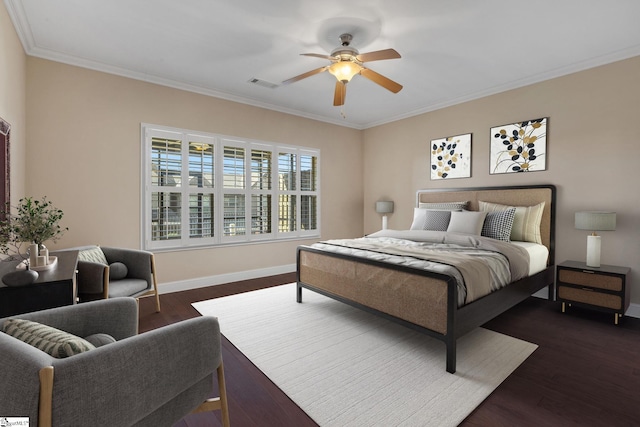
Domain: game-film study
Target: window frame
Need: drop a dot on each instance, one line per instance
(218, 142)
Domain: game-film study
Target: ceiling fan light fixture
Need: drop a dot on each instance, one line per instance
(344, 70)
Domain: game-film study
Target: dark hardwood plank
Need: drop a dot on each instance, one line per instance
(581, 374)
(585, 371)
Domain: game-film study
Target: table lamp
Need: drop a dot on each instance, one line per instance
(384, 208)
(595, 221)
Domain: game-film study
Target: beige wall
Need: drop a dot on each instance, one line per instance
(593, 150)
(85, 155)
(13, 79)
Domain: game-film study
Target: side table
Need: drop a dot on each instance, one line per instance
(53, 288)
(603, 288)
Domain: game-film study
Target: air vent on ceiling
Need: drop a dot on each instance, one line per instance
(263, 83)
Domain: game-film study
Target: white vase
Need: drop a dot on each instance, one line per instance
(33, 254)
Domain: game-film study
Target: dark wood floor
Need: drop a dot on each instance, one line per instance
(586, 371)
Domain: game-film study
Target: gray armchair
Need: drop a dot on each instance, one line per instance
(151, 379)
(107, 272)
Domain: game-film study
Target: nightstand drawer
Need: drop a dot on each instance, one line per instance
(585, 296)
(594, 280)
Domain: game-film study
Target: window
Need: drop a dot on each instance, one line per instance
(206, 189)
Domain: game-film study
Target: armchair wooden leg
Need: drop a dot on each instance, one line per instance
(216, 403)
(45, 405)
(155, 283)
(222, 387)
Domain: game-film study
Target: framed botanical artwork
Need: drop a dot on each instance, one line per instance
(519, 147)
(451, 157)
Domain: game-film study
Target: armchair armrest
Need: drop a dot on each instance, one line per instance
(117, 317)
(21, 363)
(178, 359)
(93, 277)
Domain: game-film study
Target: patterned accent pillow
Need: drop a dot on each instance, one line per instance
(526, 222)
(92, 255)
(53, 341)
(498, 224)
(449, 206)
(430, 219)
(436, 220)
(468, 222)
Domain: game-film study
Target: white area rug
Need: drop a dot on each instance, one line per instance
(345, 367)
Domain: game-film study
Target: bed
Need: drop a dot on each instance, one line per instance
(408, 290)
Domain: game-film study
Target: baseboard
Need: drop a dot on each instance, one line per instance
(201, 282)
(632, 311)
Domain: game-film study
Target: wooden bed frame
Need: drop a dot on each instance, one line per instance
(423, 300)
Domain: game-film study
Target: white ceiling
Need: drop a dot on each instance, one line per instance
(452, 50)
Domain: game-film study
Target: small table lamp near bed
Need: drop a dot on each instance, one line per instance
(595, 221)
(384, 208)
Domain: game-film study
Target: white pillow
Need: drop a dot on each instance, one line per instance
(468, 222)
(419, 215)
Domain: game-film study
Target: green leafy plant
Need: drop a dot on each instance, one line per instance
(34, 221)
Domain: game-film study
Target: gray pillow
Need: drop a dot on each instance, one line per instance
(98, 340)
(436, 220)
(117, 271)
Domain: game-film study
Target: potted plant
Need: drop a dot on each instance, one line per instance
(33, 222)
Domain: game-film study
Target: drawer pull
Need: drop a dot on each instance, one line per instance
(588, 272)
(588, 289)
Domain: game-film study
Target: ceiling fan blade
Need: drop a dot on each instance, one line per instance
(381, 80)
(339, 94)
(378, 55)
(305, 75)
(318, 55)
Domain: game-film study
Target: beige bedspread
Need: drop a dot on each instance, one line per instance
(484, 264)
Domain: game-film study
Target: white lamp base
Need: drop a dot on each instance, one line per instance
(593, 251)
(384, 222)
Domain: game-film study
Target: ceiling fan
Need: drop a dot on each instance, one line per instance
(346, 62)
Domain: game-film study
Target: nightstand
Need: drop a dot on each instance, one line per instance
(601, 288)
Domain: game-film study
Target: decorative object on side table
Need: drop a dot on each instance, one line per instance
(595, 221)
(21, 277)
(33, 222)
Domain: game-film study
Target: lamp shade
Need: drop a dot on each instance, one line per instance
(595, 221)
(384, 207)
(344, 70)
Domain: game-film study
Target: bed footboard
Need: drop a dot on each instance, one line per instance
(417, 299)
